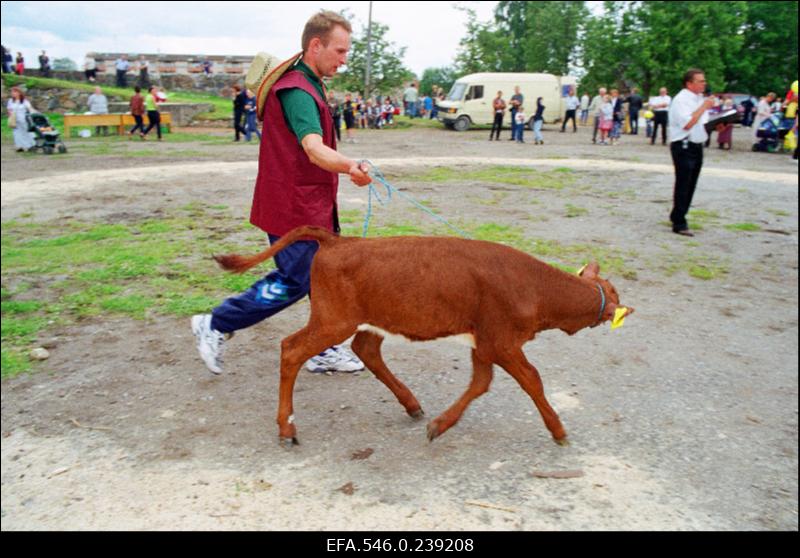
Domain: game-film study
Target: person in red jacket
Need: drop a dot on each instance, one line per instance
(137, 110)
(297, 183)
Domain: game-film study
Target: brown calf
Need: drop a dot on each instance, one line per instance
(430, 287)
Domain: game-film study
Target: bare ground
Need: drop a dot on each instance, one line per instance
(686, 418)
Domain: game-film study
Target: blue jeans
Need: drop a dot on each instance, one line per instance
(278, 290)
(513, 123)
(519, 131)
(251, 126)
(537, 130)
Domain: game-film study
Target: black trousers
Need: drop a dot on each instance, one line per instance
(139, 124)
(570, 114)
(634, 116)
(337, 127)
(687, 158)
(660, 117)
(238, 117)
(122, 78)
(496, 125)
(155, 121)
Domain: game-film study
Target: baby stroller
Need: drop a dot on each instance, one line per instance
(771, 133)
(48, 139)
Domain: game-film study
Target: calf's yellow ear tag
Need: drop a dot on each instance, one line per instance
(619, 317)
(581, 270)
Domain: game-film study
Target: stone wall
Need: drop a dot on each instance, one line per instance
(220, 85)
(56, 99)
(71, 100)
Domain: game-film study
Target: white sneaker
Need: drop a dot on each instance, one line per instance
(336, 359)
(209, 342)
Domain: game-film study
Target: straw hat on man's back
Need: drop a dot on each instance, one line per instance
(265, 70)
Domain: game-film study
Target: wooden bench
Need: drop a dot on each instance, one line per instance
(116, 120)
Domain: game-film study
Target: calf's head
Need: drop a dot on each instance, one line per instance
(591, 272)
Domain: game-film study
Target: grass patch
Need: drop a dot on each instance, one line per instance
(517, 176)
(14, 363)
(747, 227)
(496, 199)
(574, 211)
(699, 219)
(222, 106)
(405, 123)
(779, 212)
(698, 265)
(140, 269)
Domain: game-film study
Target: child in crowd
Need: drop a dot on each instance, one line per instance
(648, 120)
(387, 112)
(606, 119)
(519, 120)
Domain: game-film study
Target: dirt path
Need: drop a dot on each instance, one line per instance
(30, 188)
(686, 418)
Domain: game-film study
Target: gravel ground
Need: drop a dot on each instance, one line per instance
(684, 419)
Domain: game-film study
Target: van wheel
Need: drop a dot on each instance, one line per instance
(461, 124)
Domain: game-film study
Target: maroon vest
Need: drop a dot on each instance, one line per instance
(291, 191)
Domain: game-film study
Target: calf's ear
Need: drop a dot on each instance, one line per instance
(589, 271)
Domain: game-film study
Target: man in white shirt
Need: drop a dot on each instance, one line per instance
(585, 109)
(122, 65)
(594, 108)
(687, 134)
(410, 96)
(660, 107)
(572, 103)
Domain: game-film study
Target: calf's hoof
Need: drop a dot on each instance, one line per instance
(433, 430)
(562, 442)
(288, 443)
(418, 414)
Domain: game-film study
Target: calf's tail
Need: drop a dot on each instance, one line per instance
(239, 264)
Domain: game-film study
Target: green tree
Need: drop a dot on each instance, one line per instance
(443, 77)
(64, 64)
(768, 59)
(604, 41)
(387, 70)
(480, 50)
(652, 44)
(524, 37)
(551, 35)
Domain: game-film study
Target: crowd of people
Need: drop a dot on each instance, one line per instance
(12, 65)
(614, 114)
(349, 111)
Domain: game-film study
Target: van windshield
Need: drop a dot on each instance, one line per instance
(457, 92)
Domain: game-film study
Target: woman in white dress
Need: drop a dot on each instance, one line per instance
(20, 107)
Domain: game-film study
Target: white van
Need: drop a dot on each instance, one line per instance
(470, 99)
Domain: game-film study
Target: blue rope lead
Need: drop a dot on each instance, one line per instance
(373, 191)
